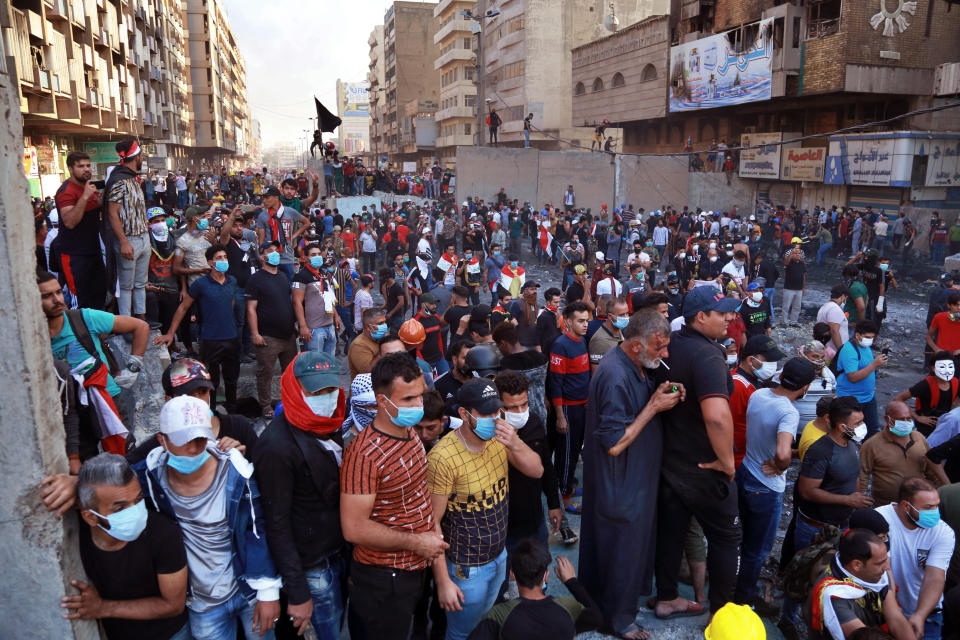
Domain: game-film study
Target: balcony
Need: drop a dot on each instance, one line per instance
(59, 11)
(444, 5)
(456, 140)
(452, 55)
(455, 112)
(454, 26)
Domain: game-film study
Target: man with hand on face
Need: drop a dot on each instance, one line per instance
(385, 506)
(621, 466)
(921, 545)
(133, 558)
(696, 477)
(215, 295)
(467, 479)
(298, 470)
(213, 497)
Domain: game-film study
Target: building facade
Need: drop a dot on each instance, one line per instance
(375, 94)
(409, 73)
(760, 73)
(91, 72)
(353, 107)
(456, 63)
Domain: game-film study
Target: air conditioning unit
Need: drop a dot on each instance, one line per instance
(946, 79)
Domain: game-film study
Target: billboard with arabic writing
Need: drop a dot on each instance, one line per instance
(716, 71)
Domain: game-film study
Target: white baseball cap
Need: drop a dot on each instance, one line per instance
(599, 255)
(185, 418)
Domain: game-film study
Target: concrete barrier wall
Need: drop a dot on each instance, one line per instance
(711, 192)
(651, 183)
(591, 174)
(481, 171)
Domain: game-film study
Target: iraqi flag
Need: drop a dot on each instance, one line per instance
(546, 238)
(512, 282)
(113, 435)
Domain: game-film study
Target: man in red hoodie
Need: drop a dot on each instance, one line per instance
(298, 470)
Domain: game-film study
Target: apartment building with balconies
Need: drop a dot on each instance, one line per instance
(456, 63)
(376, 78)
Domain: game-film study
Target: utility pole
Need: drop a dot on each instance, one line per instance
(477, 29)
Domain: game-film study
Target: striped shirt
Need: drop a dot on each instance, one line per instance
(569, 376)
(394, 469)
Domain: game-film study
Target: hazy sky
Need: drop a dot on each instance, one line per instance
(295, 49)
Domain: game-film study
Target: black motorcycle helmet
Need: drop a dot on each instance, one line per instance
(483, 360)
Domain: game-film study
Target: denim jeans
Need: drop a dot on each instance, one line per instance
(870, 418)
(183, 634)
(822, 251)
(480, 586)
(323, 339)
(132, 276)
(933, 626)
(526, 138)
(937, 252)
(769, 292)
(759, 514)
(326, 589)
(220, 622)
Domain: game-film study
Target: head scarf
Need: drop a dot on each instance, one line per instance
(361, 393)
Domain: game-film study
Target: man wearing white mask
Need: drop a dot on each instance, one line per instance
(758, 364)
(525, 519)
(857, 372)
(934, 395)
(214, 499)
(134, 558)
(297, 463)
(756, 312)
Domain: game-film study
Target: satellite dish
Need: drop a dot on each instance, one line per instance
(611, 22)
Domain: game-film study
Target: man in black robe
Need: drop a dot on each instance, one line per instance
(621, 468)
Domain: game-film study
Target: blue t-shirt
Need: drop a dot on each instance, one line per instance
(768, 415)
(853, 358)
(215, 302)
(65, 345)
(328, 225)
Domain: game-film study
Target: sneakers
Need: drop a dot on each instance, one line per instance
(568, 536)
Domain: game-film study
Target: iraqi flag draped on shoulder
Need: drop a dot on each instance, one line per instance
(546, 238)
(512, 281)
(93, 383)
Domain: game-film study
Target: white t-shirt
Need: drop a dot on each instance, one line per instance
(676, 323)
(912, 551)
(831, 312)
(604, 287)
(736, 273)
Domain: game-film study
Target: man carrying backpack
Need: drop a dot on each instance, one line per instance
(94, 365)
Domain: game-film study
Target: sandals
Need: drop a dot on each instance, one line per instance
(693, 609)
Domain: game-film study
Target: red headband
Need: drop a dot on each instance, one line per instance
(134, 150)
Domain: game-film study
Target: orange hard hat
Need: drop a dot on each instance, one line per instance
(603, 206)
(412, 332)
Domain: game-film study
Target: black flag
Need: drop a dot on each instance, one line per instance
(326, 121)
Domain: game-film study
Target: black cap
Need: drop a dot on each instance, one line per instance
(530, 285)
(184, 376)
(269, 243)
(797, 373)
(870, 520)
(479, 394)
(272, 191)
(763, 346)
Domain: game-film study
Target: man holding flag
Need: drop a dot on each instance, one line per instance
(75, 338)
(512, 277)
(546, 238)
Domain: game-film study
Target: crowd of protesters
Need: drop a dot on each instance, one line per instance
(441, 414)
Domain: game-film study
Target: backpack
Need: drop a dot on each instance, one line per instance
(82, 333)
(807, 564)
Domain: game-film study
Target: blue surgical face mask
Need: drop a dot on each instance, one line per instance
(496, 253)
(273, 259)
(126, 524)
(621, 322)
(901, 428)
(406, 416)
(380, 332)
(221, 266)
(187, 464)
(884, 267)
(202, 224)
(485, 427)
(927, 519)
(514, 264)
(316, 261)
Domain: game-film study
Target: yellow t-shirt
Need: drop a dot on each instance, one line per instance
(809, 435)
(476, 486)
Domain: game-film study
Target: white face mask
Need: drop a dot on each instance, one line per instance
(159, 231)
(944, 369)
(713, 258)
(323, 405)
(713, 245)
(766, 370)
(732, 359)
(756, 296)
(682, 255)
(517, 420)
(859, 433)
(866, 342)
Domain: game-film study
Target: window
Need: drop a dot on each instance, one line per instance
(468, 43)
(580, 89)
(467, 130)
(618, 80)
(597, 85)
(469, 101)
(649, 73)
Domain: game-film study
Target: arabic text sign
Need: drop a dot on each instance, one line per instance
(803, 164)
(870, 161)
(943, 164)
(763, 162)
(709, 72)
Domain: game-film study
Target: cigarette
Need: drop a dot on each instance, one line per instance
(664, 365)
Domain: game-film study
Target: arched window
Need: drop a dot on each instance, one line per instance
(618, 80)
(579, 90)
(649, 73)
(598, 85)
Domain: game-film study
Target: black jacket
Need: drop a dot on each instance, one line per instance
(300, 493)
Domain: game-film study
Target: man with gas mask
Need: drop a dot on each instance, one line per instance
(467, 479)
(297, 464)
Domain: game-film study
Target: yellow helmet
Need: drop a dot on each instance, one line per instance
(735, 622)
